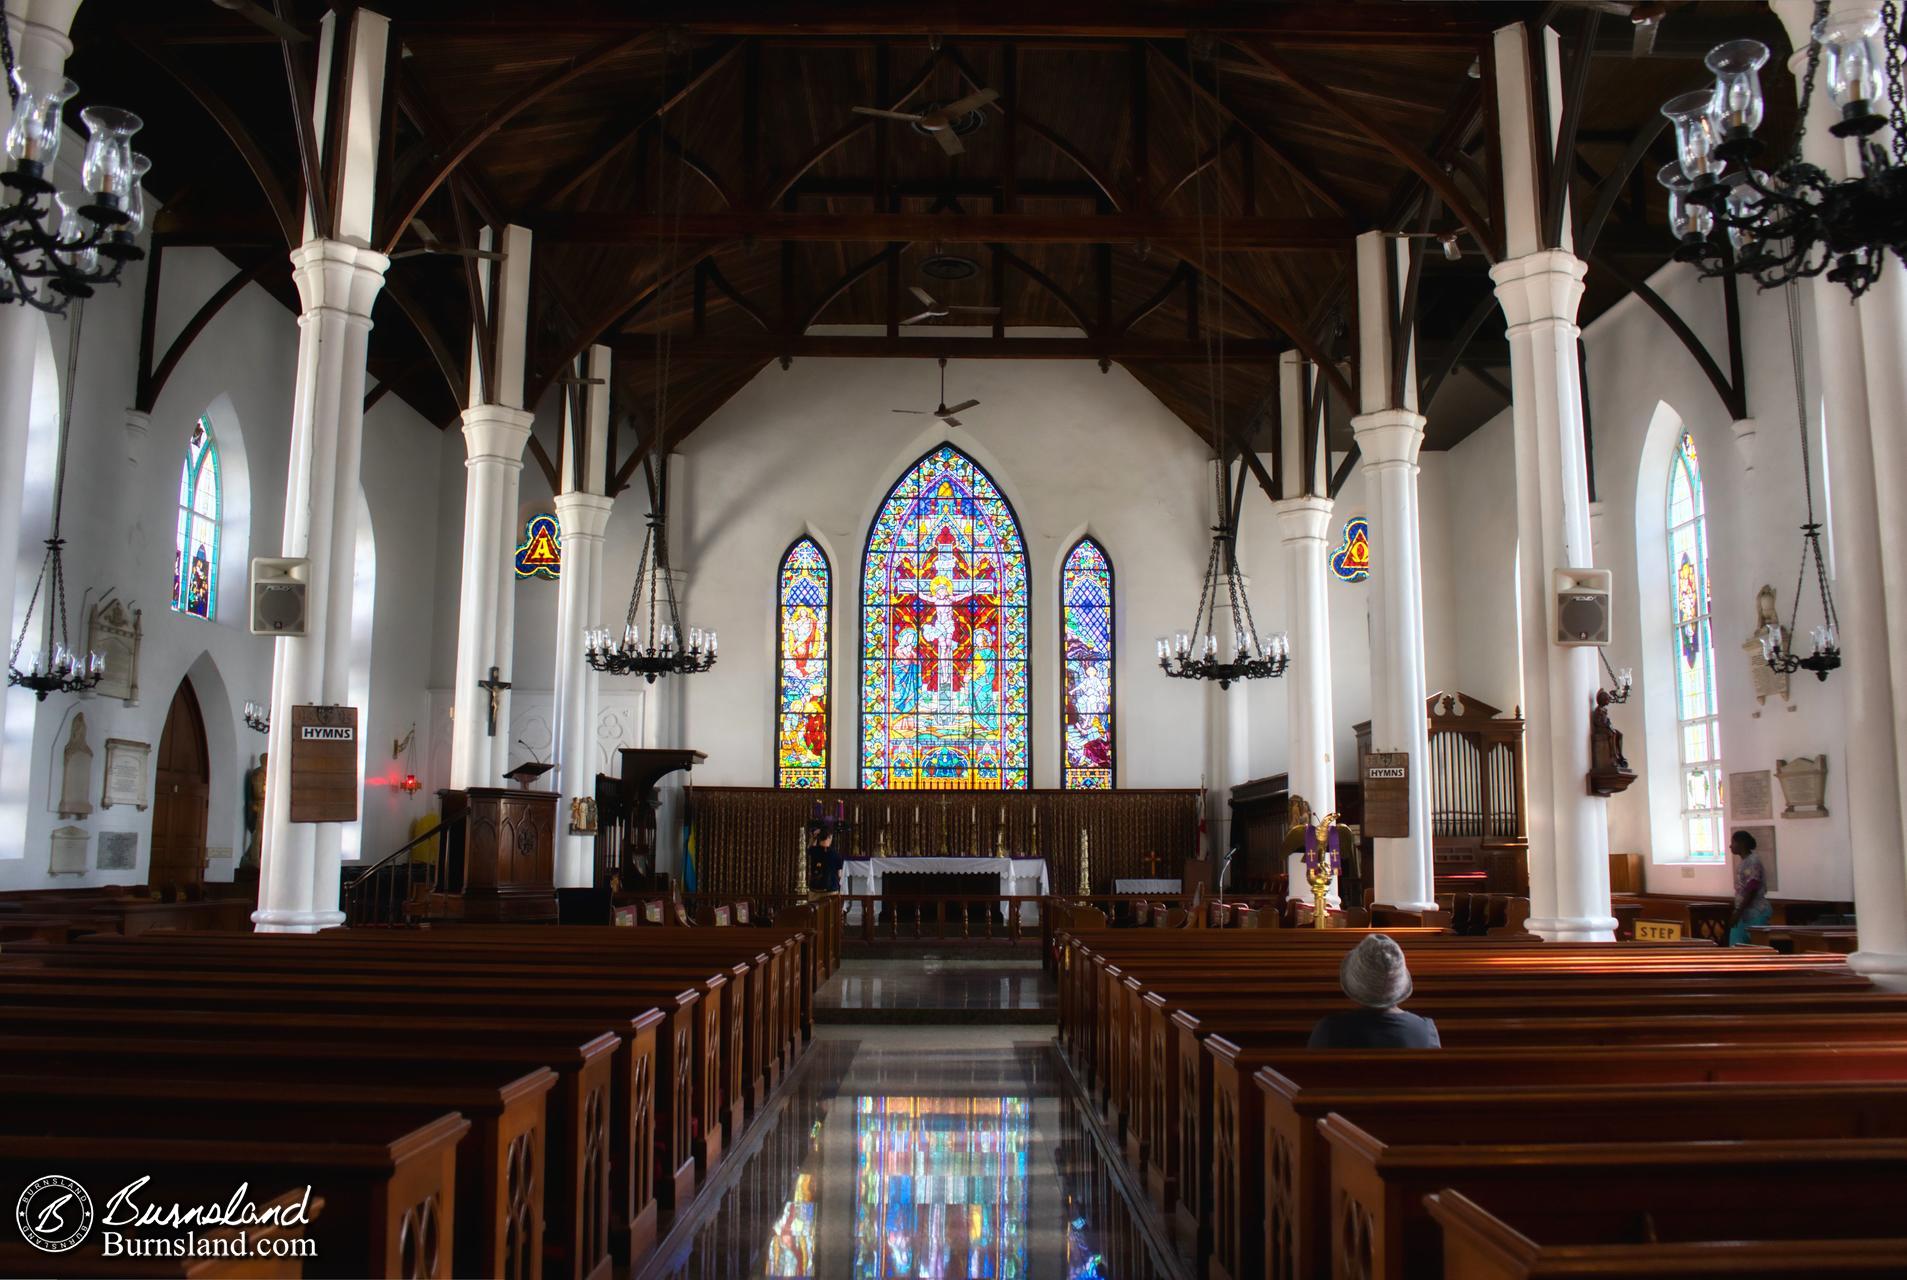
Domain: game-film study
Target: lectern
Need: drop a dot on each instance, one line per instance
(499, 857)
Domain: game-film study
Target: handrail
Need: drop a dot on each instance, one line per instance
(412, 843)
(387, 908)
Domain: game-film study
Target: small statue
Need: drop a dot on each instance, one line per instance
(1609, 772)
(1768, 628)
(254, 811)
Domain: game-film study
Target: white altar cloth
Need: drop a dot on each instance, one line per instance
(1019, 878)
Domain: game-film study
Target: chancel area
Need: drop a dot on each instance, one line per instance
(1070, 640)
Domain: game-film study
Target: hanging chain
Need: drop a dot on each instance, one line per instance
(1890, 33)
(6, 56)
(1807, 82)
(1810, 531)
(52, 567)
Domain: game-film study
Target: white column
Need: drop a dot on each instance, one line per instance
(496, 429)
(1304, 529)
(583, 512)
(1539, 289)
(1860, 377)
(1389, 437)
(38, 29)
(338, 281)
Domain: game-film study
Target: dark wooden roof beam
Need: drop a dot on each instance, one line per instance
(731, 349)
(1244, 235)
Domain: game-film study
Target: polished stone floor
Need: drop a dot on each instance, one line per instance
(920, 1151)
(938, 990)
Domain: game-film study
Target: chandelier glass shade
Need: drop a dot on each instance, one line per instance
(1794, 221)
(57, 246)
(1195, 655)
(653, 641)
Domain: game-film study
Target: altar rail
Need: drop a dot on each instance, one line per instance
(752, 839)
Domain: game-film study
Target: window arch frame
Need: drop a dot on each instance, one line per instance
(827, 660)
(1692, 646)
(1024, 606)
(1066, 608)
(185, 518)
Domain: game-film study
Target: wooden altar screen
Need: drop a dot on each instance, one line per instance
(1478, 832)
(749, 839)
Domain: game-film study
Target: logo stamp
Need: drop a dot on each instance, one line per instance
(54, 1213)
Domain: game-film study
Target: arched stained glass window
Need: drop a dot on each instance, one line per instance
(944, 674)
(195, 547)
(803, 659)
(1085, 604)
(1693, 653)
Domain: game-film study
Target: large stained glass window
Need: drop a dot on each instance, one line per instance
(944, 675)
(1693, 652)
(195, 546)
(941, 1188)
(1085, 603)
(803, 654)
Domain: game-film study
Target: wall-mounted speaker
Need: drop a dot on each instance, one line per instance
(1582, 606)
(278, 596)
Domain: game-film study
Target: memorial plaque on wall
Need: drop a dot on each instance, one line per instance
(324, 764)
(1387, 794)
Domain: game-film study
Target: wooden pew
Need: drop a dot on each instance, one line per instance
(1479, 1245)
(1792, 1188)
(578, 1200)
(390, 1203)
(1549, 1099)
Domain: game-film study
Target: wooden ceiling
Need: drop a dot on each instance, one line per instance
(1172, 187)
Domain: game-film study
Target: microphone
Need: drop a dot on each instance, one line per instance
(532, 750)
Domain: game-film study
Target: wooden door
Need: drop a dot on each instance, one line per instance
(184, 779)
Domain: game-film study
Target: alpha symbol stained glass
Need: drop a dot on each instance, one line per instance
(540, 554)
(804, 658)
(944, 633)
(1351, 562)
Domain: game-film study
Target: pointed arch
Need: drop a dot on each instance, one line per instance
(1086, 658)
(945, 629)
(195, 543)
(804, 662)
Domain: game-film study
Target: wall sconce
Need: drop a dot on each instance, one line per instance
(258, 716)
(400, 750)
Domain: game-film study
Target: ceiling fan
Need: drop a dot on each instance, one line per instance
(938, 122)
(941, 310)
(941, 410)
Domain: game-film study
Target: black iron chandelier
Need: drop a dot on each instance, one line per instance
(1795, 221)
(653, 642)
(1194, 654)
(1777, 647)
(57, 247)
(55, 667)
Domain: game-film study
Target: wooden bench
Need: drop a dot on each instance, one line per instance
(1479, 1245)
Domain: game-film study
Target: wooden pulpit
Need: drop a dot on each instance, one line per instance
(626, 813)
(499, 857)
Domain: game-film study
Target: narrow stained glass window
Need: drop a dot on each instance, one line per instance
(195, 547)
(1693, 652)
(1086, 655)
(803, 654)
(944, 698)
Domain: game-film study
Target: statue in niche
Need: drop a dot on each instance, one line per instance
(254, 811)
(76, 771)
(1609, 771)
(1767, 621)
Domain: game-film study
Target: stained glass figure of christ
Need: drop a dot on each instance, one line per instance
(944, 633)
(803, 631)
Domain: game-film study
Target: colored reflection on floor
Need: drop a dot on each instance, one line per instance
(921, 1154)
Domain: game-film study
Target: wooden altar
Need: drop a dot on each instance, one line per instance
(1479, 835)
(498, 857)
(750, 839)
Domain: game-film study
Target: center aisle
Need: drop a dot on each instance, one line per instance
(921, 1150)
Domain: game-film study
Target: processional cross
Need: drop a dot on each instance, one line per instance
(495, 687)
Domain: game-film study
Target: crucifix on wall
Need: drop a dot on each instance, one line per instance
(495, 687)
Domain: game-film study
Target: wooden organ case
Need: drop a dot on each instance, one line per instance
(1478, 828)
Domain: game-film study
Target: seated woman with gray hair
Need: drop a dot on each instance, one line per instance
(1374, 975)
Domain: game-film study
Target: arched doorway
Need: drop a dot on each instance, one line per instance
(178, 807)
